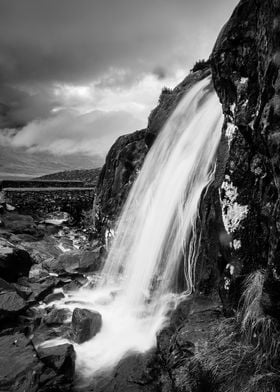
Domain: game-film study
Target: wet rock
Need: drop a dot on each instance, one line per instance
(5, 286)
(91, 260)
(56, 316)
(41, 290)
(179, 344)
(53, 297)
(24, 291)
(85, 324)
(46, 332)
(72, 286)
(14, 262)
(18, 223)
(119, 172)
(246, 73)
(19, 365)
(135, 373)
(37, 272)
(68, 262)
(61, 358)
(11, 304)
(21, 369)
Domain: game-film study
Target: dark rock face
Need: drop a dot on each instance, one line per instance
(56, 316)
(18, 223)
(77, 261)
(23, 369)
(85, 324)
(60, 358)
(14, 262)
(11, 304)
(53, 297)
(135, 373)
(19, 367)
(246, 74)
(123, 161)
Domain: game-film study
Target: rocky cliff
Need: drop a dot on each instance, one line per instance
(246, 74)
(127, 154)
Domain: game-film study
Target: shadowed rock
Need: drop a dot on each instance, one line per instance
(85, 324)
(14, 262)
(60, 358)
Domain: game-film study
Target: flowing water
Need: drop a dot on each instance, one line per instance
(155, 235)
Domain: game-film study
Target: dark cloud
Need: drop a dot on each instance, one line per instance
(160, 72)
(76, 41)
(109, 45)
(18, 107)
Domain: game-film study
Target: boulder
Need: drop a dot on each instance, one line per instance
(37, 272)
(22, 369)
(44, 332)
(135, 373)
(5, 286)
(11, 304)
(19, 365)
(72, 286)
(14, 262)
(41, 290)
(67, 262)
(18, 223)
(85, 324)
(53, 297)
(60, 358)
(91, 260)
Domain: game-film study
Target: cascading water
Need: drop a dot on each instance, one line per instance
(154, 235)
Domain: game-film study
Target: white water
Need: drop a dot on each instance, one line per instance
(155, 233)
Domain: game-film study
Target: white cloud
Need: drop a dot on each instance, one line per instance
(88, 118)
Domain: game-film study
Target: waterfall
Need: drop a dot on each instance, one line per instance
(154, 235)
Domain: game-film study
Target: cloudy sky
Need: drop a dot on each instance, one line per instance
(76, 74)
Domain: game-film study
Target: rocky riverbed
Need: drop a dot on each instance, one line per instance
(40, 262)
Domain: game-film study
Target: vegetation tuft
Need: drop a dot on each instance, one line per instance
(244, 353)
(200, 65)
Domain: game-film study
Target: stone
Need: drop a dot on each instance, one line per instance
(56, 316)
(61, 358)
(68, 262)
(90, 261)
(14, 262)
(19, 365)
(11, 304)
(72, 286)
(45, 332)
(5, 286)
(53, 297)
(24, 291)
(134, 373)
(18, 223)
(245, 70)
(22, 369)
(37, 272)
(85, 324)
(41, 290)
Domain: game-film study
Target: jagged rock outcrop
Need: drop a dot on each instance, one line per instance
(246, 74)
(127, 154)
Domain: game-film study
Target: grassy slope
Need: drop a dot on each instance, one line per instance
(88, 176)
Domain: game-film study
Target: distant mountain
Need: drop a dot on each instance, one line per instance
(18, 162)
(88, 176)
